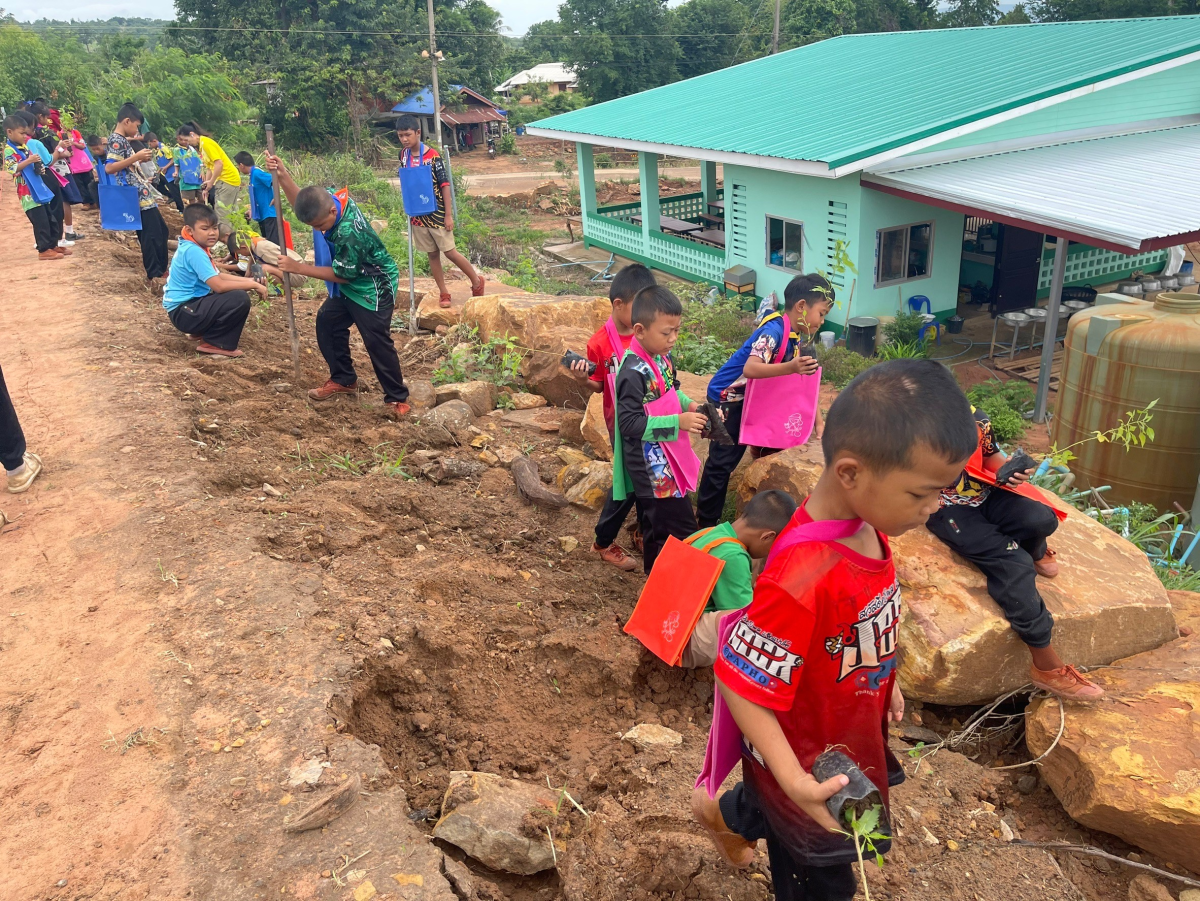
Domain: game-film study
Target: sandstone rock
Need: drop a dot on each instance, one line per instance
(1129, 765)
(547, 324)
(1190, 894)
(571, 428)
(523, 400)
(421, 395)
(1147, 888)
(648, 736)
(480, 396)
(506, 454)
(569, 455)
(379, 225)
(586, 484)
(594, 430)
(540, 419)
(955, 646)
(430, 314)
(1186, 605)
(483, 815)
(458, 876)
(454, 414)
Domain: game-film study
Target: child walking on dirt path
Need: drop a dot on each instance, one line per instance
(262, 197)
(806, 302)
(642, 465)
(434, 233)
(605, 350)
(22, 164)
(811, 662)
(367, 279)
(223, 178)
(749, 537)
(1003, 531)
(201, 301)
(20, 466)
(125, 164)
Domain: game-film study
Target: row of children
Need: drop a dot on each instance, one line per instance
(805, 657)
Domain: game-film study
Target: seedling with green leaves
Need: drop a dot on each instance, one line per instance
(864, 831)
(1132, 431)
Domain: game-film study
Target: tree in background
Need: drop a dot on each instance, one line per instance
(622, 46)
(971, 13)
(805, 21)
(546, 42)
(1075, 10)
(1015, 16)
(708, 33)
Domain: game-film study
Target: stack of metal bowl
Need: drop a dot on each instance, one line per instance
(1129, 286)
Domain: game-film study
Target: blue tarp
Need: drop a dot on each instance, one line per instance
(420, 103)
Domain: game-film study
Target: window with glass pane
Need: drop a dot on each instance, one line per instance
(785, 244)
(891, 255)
(903, 253)
(918, 249)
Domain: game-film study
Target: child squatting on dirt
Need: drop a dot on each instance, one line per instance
(367, 278)
(812, 662)
(606, 354)
(749, 537)
(641, 467)
(1004, 534)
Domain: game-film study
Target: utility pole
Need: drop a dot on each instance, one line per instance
(437, 106)
(774, 34)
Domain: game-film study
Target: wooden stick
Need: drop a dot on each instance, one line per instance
(1096, 852)
(287, 282)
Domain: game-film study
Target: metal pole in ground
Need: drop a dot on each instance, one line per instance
(412, 285)
(1049, 343)
(287, 282)
(437, 108)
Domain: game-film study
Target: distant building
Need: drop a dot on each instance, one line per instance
(467, 124)
(558, 76)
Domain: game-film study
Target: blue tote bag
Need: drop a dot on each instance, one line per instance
(189, 170)
(119, 210)
(416, 185)
(38, 189)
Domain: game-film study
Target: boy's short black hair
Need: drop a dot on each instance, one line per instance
(14, 122)
(312, 203)
(27, 117)
(195, 213)
(652, 302)
(629, 281)
(242, 158)
(809, 288)
(893, 406)
(130, 111)
(149, 136)
(408, 123)
(93, 140)
(769, 510)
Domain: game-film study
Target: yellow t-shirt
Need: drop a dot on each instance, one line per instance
(210, 152)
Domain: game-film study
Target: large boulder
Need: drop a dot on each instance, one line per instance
(586, 484)
(544, 326)
(1186, 605)
(595, 430)
(1130, 764)
(487, 816)
(479, 396)
(955, 646)
(453, 414)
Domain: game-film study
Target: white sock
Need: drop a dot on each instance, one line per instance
(12, 473)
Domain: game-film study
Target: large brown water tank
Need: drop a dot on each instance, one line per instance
(1141, 351)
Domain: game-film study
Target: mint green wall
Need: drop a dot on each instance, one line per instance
(1175, 92)
(879, 210)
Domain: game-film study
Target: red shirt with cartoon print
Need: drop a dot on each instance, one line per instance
(817, 645)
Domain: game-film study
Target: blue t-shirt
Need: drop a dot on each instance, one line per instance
(40, 149)
(191, 268)
(262, 195)
(729, 385)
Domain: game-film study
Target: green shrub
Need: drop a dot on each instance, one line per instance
(839, 366)
(1007, 424)
(904, 329)
(701, 354)
(603, 160)
(910, 350)
(710, 332)
(1004, 403)
(508, 143)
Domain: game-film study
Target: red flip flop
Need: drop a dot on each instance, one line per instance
(205, 348)
(477, 290)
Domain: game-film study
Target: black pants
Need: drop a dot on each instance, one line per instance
(722, 460)
(87, 185)
(43, 229)
(153, 236)
(269, 229)
(334, 319)
(55, 207)
(12, 439)
(170, 189)
(1003, 536)
(218, 317)
(612, 517)
(792, 881)
(663, 517)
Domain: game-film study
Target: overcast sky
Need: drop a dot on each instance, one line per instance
(518, 14)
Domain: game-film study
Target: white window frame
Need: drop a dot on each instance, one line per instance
(907, 236)
(767, 243)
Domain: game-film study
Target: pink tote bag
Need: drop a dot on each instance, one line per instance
(685, 465)
(780, 412)
(724, 749)
(614, 342)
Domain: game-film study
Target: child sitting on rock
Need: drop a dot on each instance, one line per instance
(749, 537)
(1004, 534)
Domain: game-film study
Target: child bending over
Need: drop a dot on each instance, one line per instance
(812, 662)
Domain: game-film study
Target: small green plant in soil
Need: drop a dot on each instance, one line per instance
(864, 830)
(907, 350)
(905, 328)
(507, 143)
(1005, 404)
(1132, 431)
(839, 366)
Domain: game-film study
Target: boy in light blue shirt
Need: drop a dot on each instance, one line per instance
(203, 302)
(262, 197)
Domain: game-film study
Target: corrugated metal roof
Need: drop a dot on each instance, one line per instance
(1122, 192)
(847, 98)
(551, 73)
(472, 115)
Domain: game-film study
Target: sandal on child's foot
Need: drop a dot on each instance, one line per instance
(205, 348)
(1047, 567)
(477, 289)
(445, 300)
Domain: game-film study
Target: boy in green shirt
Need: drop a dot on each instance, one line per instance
(748, 537)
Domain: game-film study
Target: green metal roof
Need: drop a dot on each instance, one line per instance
(848, 98)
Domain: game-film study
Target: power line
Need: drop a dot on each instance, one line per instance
(158, 30)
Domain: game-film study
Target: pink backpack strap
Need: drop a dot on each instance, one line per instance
(636, 347)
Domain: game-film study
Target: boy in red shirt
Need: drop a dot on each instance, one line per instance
(607, 359)
(811, 664)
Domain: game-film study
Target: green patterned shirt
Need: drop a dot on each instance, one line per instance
(361, 259)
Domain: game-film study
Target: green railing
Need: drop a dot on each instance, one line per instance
(1093, 266)
(682, 206)
(678, 256)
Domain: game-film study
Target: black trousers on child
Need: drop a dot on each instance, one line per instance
(1003, 536)
(722, 460)
(55, 207)
(86, 182)
(269, 229)
(43, 227)
(792, 881)
(334, 319)
(613, 516)
(170, 190)
(153, 236)
(12, 439)
(663, 517)
(219, 318)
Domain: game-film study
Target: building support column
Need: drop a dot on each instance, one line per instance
(1050, 335)
(587, 179)
(708, 183)
(648, 183)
